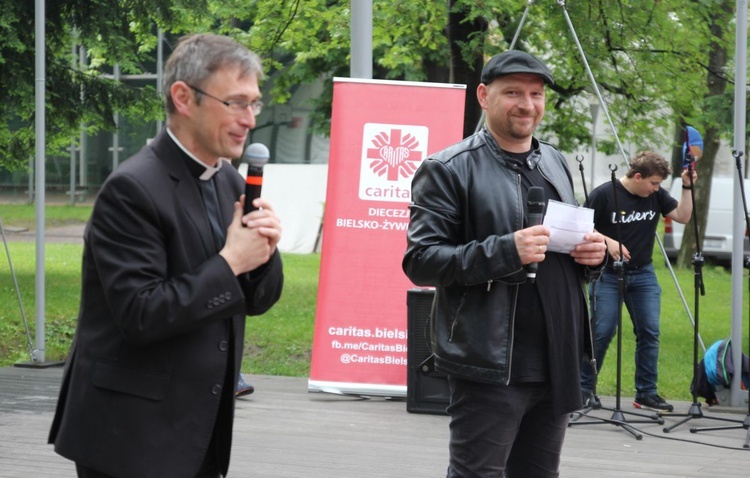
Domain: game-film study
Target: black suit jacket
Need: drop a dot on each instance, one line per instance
(161, 324)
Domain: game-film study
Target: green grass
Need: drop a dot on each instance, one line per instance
(676, 349)
(279, 342)
(24, 215)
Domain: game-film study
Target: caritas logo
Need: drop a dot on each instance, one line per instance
(390, 156)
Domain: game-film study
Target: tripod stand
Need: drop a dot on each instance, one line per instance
(738, 368)
(593, 403)
(618, 415)
(18, 291)
(698, 261)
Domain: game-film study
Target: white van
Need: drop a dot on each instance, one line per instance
(717, 242)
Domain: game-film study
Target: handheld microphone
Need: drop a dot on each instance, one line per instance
(256, 155)
(534, 215)
(692, 148)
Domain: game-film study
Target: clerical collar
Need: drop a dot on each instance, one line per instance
(207, 171)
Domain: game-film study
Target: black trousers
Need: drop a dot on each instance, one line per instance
(84, 472)
(499, 431)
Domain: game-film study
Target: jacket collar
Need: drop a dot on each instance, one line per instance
(532, 161)
(185, 174)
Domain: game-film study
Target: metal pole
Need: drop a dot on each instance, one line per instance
(74, 63)
(361, 39)
(116, 136)
(82, 166)
(39, 93)
(160, 72)
(594, 106)
(739, 223)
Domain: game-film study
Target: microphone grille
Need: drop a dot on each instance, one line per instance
(536, 194)
(256, 154)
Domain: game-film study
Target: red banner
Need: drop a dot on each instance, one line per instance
(381, 131)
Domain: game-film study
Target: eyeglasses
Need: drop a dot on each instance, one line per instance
(236, 106)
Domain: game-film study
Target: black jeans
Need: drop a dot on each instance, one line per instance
(501, 431)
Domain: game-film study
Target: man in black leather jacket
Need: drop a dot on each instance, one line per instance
(511, 347)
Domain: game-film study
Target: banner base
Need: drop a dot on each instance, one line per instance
(357, 389)
(39, 364)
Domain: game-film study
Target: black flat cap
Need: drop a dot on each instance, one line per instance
(514, 61)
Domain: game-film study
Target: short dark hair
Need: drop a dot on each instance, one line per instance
(199, 56)
(647, 164)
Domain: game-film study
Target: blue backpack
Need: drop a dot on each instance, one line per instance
(716, 369)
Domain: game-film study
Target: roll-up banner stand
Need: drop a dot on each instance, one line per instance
(381, 131)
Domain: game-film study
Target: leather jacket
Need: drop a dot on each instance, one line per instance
(466, 205)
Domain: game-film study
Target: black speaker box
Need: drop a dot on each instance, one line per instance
(425, 393)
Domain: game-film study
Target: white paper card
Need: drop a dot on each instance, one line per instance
(567, 224)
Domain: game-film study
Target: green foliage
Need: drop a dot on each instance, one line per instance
(650, 60)
(111, 30)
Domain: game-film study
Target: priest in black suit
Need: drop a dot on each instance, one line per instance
(171, 267)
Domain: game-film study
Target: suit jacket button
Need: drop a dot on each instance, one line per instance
(216, 301)
(216, 390)
(223, 346)
(209, 304)
(228, 295)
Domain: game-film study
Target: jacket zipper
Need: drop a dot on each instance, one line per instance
(512, 326)
(512, 331)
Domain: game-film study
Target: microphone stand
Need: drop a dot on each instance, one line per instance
(580, 158)
(738, 367)
(698, 261)
(618, 415)
(593, 403)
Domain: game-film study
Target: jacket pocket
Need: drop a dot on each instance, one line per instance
(141, 383)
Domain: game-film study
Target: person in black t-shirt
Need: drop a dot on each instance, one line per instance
(640, 203)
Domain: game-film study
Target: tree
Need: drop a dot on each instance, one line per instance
(114, 32)
(658, 64)
(718, 19)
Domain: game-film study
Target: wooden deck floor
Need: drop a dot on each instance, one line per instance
(282, 431)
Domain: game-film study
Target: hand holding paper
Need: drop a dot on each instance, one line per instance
(568, 224)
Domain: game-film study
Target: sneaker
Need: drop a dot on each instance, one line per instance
(653, 402)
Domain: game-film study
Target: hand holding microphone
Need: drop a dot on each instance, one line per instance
(250, 244)
(535, 202)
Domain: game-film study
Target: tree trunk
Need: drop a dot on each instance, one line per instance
(466, 66)
(678, 139)
(717, 84)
